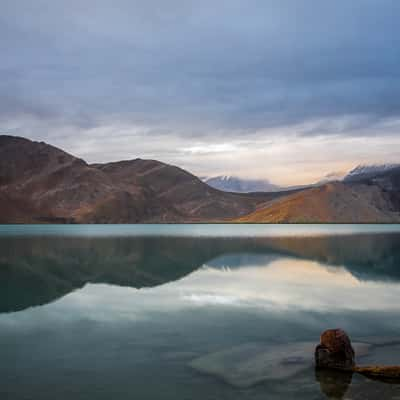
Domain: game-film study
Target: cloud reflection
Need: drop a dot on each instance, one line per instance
(283, 285)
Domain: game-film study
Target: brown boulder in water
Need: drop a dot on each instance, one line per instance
(335, 351)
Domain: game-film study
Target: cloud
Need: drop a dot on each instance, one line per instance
(210, 148)
(187, 72)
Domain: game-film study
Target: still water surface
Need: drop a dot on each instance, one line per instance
(194, 311)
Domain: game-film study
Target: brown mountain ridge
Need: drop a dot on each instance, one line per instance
(40, 183)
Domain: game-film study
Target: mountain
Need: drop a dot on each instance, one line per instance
(41, 183)
(364, 172)
(240, 185)
(367, 194)
(333, 202)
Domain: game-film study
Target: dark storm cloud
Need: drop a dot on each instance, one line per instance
(184, 64)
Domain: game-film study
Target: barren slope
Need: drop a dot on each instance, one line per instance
(333, 202)
(40, 183)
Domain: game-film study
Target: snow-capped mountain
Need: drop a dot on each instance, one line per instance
(369, 171)
(229, 183)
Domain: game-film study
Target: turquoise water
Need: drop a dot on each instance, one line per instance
(196, 230)
(194, 311)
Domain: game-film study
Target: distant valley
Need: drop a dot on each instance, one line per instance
(40, 183)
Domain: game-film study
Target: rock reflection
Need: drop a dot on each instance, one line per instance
(333, 383)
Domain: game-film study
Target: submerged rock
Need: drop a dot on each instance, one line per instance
(251, 363)
(335, 351)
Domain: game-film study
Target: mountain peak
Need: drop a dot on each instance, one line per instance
(236, 184)
(368, 171)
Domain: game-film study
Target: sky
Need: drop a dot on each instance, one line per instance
(282, 90)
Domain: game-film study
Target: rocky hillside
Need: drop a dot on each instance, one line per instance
(357, 202)
(367, 172)
(334, 202)
(41, 183)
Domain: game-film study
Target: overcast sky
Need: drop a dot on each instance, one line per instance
(277, 89)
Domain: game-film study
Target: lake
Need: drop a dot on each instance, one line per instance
(194, 311)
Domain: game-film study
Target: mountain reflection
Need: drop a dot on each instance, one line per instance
(37, 270)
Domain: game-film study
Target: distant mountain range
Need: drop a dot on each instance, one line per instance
(235, 184)
(40, 183)
(229, 183)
